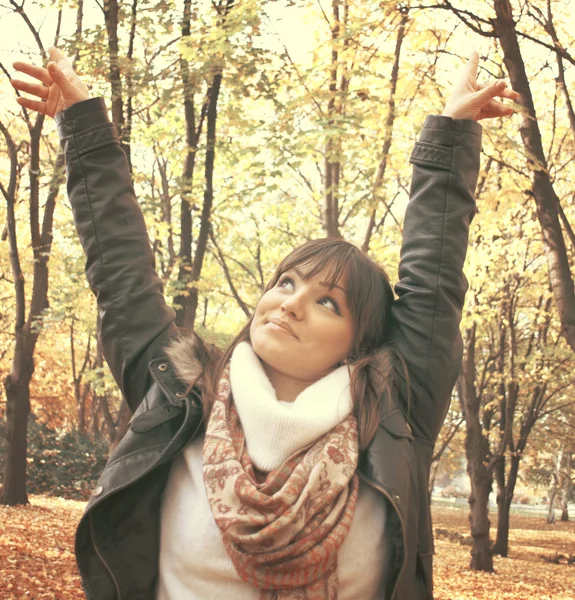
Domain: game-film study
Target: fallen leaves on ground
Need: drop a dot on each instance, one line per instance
(523, 575)
(37, 550)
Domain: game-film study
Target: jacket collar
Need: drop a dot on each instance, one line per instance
(189, 354)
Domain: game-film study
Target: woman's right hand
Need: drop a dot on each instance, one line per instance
(60, 87)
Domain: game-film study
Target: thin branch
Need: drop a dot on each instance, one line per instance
(554, 48)
(58, 26)
(447, 441)
(4, 191)
(223, 264)
(462, 15)
(566, 224)
(20, 10)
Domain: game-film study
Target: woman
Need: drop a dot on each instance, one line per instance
(309, 477)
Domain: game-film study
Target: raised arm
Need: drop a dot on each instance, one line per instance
(110, 224)
(431, 287)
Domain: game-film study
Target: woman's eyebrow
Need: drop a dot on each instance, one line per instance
(333, 285)
(302, 275)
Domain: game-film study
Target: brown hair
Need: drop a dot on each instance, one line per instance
(369, 295)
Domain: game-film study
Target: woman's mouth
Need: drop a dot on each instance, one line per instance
(281, 326)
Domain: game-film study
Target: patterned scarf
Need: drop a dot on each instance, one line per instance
(283, 533)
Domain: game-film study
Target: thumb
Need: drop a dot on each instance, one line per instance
(70, 85)
(58, 76)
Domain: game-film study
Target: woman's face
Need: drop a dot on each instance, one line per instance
(301, 328)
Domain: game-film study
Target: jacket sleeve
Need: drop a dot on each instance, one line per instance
(135, 320)
(431, 288)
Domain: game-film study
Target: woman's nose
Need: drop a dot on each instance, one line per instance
(293, 306)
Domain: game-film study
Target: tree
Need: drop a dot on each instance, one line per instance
(27, 326)
(190, 269)
(515, 373)
(504, 28)
(548, 461)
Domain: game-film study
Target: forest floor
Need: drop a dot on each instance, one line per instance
(524, 575)
(37, 556)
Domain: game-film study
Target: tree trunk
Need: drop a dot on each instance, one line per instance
(478, 460)
(101, 399)
(17, 383)
(567, 486)
(111, 17)
(505, 492)
(332, 151)
(205, 218)
(96, 431)
(501, 545)
(192, 140)
(80, 408)
(551, 495)
(124, 416)
(190, 271)
(104, 405)
(546, 199)
(17, 386)
(432, 476)
(481, 482)
(79, 394)
(554, 487)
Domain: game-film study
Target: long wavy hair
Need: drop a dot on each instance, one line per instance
(369, 296)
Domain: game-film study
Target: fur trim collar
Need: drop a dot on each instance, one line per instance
(190, 355)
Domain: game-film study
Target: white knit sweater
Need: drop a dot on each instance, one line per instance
(194, 564)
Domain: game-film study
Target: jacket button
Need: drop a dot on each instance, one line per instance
(163, 367)
(396, 498)
(97, 490)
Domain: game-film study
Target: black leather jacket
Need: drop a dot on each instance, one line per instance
(117, 541)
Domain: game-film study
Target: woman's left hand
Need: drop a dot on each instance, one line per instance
(469, 100)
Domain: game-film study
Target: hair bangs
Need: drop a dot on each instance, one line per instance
(310, 259)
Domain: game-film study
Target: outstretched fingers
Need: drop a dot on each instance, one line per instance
(494, 108)
(487, 93)
(40, 91)
(37, 72)
(490, 106)
(40, 107)
(56, 88)
(502, 91)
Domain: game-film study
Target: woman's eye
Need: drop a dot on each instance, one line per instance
(286, 282)
(330, 304)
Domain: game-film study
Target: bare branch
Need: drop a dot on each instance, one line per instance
(439, 453)
(463, 15)
(559, 50)
(20, 10)
(221, 259)
(4, 191)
